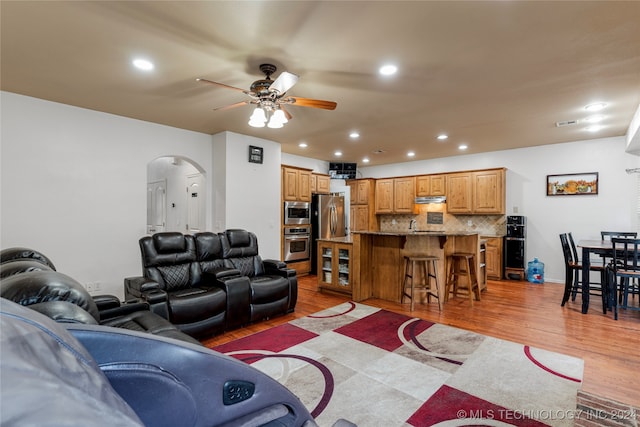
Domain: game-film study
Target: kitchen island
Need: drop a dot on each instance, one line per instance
(378, 263)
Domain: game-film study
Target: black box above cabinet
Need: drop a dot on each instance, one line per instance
(342, 170)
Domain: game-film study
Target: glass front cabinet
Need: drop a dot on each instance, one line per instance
(334, 266)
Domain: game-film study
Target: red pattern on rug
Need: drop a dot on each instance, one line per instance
(451, 404)
(381, 329)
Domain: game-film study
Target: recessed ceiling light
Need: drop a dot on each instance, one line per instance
(462, 147)
(354, 135)
(443, 136)
(338, 153)
(594, 128)
(411, 154)
(143, 64)
(365, 160)
(596, 106)
(593, 119)
(303, 145)
(388, 70)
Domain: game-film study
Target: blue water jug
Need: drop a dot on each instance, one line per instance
(535, 271)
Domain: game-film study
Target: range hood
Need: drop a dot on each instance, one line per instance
(430, 199)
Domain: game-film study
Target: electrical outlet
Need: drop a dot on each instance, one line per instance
(93, 286)
(469, 223)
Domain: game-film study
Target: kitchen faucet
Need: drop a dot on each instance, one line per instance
(413, 225)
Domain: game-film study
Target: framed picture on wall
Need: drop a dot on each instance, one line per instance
(572, 184)
(255, 154)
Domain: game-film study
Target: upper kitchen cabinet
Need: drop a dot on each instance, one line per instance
(489, 192)
(296, 184)
(395, 195)
(476, 192)
(362, 212)
(320, 183)
(431, 185)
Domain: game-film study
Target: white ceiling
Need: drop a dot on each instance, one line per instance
(494, 75)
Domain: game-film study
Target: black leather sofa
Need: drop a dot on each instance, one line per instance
(29, 278)
(207, 282)
(57, 374)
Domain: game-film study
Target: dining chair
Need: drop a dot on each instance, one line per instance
(607, 235)
(573, 267)
(625, 268)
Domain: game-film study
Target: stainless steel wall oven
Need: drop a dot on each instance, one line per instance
(297, 243)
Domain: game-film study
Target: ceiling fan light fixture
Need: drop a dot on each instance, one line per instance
(279, 116)
(258, 118)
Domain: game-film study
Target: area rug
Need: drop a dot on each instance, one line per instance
(379, 368)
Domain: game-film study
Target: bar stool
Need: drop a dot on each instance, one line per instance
(462, 265)
(429, 276)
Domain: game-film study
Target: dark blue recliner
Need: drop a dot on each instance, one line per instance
(92, 375)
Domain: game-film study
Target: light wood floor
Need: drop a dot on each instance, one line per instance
(519, 312)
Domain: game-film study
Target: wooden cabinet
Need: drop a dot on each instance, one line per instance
(459, 193)
(361, 212)
(493, 258)
(335, 266)
(404, 194)
(431, 185)
(476, 192)
(384, 196)
(489, 192)
(320, 184)
(359, 218)
(296, 184)
(395, 195)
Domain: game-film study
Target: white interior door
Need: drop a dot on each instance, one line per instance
(195, 203)
(156, 206)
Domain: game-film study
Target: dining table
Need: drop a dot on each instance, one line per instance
(589, 247)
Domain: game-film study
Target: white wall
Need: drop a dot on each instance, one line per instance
(614, 208)
(248, 194)
(74, 184)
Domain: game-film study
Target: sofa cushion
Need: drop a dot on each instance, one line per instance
(189, 305)
(169, 242)
(209, 251)
(266, 289)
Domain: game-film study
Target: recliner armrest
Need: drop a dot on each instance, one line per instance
(123, 310)
(140, 285)
(106, 302)
(277, 267)
(221, 273)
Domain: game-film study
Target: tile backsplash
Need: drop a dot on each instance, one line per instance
(489, 225)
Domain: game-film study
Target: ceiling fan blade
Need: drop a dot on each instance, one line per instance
(286, 113)
(284, 82)
(223, 85)
(228, 107)
(313, 103)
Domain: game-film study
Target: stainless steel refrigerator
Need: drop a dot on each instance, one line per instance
(327, 221)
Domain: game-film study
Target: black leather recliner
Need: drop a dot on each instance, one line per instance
(175, 287)
(273, 286)
(35, 283)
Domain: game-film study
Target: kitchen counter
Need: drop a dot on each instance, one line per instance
(344, 239)
(417, 233)
(378, 259)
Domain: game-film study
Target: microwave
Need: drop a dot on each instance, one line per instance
(297, 213)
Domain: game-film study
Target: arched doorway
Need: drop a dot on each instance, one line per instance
(175, 195)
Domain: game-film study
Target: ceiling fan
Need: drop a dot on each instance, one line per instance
(269, 97)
